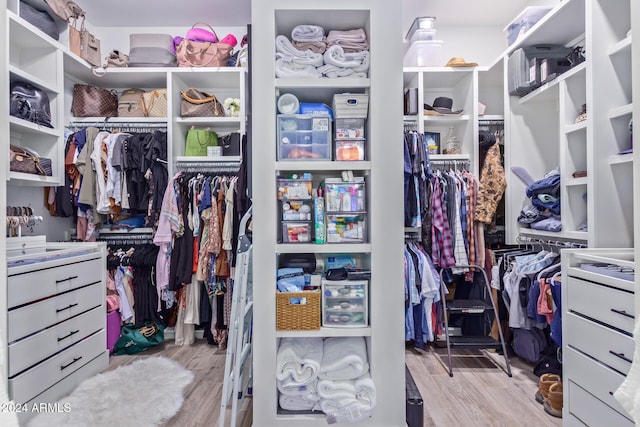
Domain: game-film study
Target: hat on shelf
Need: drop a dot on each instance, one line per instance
(441, 105)
(460, 62)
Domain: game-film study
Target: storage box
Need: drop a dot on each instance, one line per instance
(297, 210)
(296, 232)
(411, 101)
(346, 228)
(345, 196)
(294, 189)
(425, 53)
(350, 105)
(298, 311)
(349, 149)
(421, 23)
(423, 34)
(345, 303)
(524, 21)
(316, 109)
(349, 128)
(304, 136)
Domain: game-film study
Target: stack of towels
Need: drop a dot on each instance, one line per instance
(331, 375)
(311, 54)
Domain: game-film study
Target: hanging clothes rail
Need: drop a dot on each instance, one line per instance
(556, 243)
(450, 164)
(126, 238)
(118, 125)
(230, 167)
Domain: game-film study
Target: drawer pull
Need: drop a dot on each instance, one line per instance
(621, 356)
(66, 308)
(623, 313)
(68, 335)
(68, 278)
(75, 359)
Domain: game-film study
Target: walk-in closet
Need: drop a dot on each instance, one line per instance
(301, 213)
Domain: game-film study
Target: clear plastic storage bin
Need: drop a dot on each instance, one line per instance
(349, 149)
(294, 189)
(345, 303)
(297, 232)
(345, 196)
(349, 128)
(346, 228)
(304, 137)
(423, 34)
(297, 210)
(524, 21)
(424, 53)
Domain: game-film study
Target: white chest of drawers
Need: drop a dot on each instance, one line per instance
(598, 313)
(56, 320)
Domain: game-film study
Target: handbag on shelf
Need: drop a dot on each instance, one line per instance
(24, 161)
(155, 103)
(192, 53)
(151, 50)
(116, 59)
(83, 43)
(230, 144)
(198, 140)
(136, 339)
(65, 9)
(131, 104)
(195, 103)
(40, 19)
(92, 101)
(30, 103)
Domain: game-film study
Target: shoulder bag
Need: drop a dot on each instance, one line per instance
(155, 103)
(30, 103)
(191, 53)
(195, 103)
(130, 103)
(136, 339)
(92, 101)
(65, 9)
(198, 140)
(24, 161)
(83, 43)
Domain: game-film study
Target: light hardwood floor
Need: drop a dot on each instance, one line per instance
(479, 394)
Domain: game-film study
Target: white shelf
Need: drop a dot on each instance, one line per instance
(575, 127)
(207, 159)
(328, 248)
(328, 332)
(622, 47)
(413, 118)
(32, 179)
(621, 159)
(25, 126)
(447, 118)
(622, 111)
(323, 165)
(577, 235)
(343, 82)
(576, 181)
(119, 119)
(142, 230)
(574, 235)
(490, 118)
(449, 157)
(208, 120)
(36, 81)
(581, 68)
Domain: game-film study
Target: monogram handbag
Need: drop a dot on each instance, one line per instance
(198, 140)
(30, 103)
(155, 103)
(195, 103)
(24, 161)
(92, 101)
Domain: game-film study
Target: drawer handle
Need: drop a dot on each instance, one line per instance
(75, 359)
(623, 313)
(68, 278)
(66, 308)
(68, 335)
(621, 356)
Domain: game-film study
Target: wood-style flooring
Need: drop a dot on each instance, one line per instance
(479, 394)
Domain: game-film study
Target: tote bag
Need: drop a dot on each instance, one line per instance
(198, 140)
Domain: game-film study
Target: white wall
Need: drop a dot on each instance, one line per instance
(480, 44)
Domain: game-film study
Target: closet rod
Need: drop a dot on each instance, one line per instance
(195, 166)
(550, 242)
(116, 125)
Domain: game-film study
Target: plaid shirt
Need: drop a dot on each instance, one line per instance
(441, 239)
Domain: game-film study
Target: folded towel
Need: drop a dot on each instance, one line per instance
(336, 56)
(333, 72)
(298, 360)
(306, 392)
(366, 390)
(294, 403)
(344, 358)
(307, 33)
(628, 393)
(287, 51)
(291, 69)
(351, 40)
(317, 47)
(337, 389)
(345, 410)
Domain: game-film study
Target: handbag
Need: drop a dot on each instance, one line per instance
(116, 59)
(83, 43)
(155, 103)
(136, 339)
(130, 103)
(24, 161)
(151, 50)
(65, 9)
(230, 144)
(92, 101)
(40, 19)
(198, 140)
(195, 103)
(30, 103)
(191, 53)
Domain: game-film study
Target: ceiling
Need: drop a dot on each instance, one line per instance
(238, 12)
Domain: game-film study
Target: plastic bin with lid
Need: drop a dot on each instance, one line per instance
(524, 21)
(421, 23)
(349, 149)
(297, 232)
(424, 53)
(423, 34)
(350, 105)
(346, 228)
(345, 196)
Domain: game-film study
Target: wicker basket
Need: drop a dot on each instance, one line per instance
(297, 317)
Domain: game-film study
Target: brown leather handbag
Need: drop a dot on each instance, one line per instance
(195, 103)
(203, 54)
(23, 161)
(92, 101)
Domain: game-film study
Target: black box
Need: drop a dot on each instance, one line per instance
(415, 404)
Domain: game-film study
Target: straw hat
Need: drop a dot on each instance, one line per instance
(460, 62)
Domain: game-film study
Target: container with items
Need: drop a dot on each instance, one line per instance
(295, 194)
(423, 50)
(297, 303)
(524, 21)
(295, 188)
(345, 196)
(346, 228)
(351, 111)
(344, 303)
(304, 137)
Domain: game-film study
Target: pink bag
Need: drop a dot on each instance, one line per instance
(202, 34)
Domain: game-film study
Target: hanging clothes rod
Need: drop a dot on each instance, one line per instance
(138, 126)
(550, 242)
(208, 166)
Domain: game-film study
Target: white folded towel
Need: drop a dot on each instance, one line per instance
(628, 393)
(336, 56)
(294, 403)
(366, 390)
(345, 410)
(337, 389)
(351, 40)
(306, 392)
(291, 69)
(307, 33)
(298, 360)
(333, 72)
(287, 51)
(344, 358)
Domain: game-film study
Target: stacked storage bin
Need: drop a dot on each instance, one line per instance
(350, 111)
(423, 50)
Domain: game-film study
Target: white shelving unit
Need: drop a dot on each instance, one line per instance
(383, 250)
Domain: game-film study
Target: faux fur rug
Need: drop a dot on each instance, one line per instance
(144, 393)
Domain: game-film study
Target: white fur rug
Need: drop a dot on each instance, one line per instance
(144, 393)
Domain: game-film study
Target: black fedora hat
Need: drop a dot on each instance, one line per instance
(441, 105)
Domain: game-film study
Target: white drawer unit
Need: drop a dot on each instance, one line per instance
(56, 319)
(597, 324)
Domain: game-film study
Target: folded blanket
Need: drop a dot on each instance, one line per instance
(287, 51)
(628, 393)
(298, 360)
(366, 390)
(345, 410)
(307, 33)
(337, 389)
(351, 40)
(333, 72)
(291, 69)
(344, 358)
(317, 47)
(293, 403)
(306, 392)
(336, 56)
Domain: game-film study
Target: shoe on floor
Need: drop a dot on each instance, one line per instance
(553, 404)
(546, 381)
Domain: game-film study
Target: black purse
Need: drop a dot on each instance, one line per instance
(230, 144)
(30, 103)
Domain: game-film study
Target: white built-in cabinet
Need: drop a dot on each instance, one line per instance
(382, 169)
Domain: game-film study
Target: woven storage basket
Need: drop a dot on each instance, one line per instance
(297, 317)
